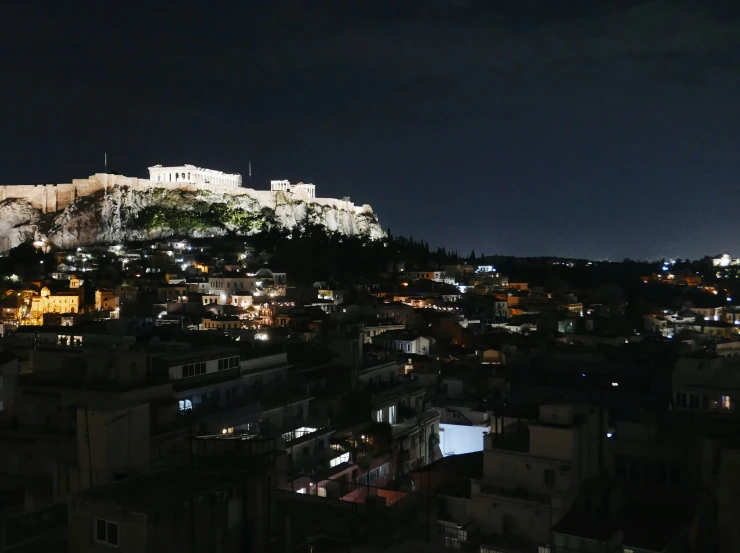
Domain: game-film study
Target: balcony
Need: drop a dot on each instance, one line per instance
(278, 394)
(519, 493)
(237, 409)
(323, 463)
(394, 390)
(499, 489)
(294, 428)
(414, 423)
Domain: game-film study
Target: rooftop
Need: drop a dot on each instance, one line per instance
(651, 522)
(159, 489)
(415, 422)
(196, 353)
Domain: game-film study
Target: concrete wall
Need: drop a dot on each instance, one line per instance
(56, 197)
(118, 441)
(456, 439)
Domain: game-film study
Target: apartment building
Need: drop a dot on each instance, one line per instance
(707, 382)
(532, 471)
(224, 502)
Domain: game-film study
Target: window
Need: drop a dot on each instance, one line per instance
(106, 532)
(726, 402)
(455, 536)
(186, 405)
(693, 401)
(379, 415)
(228, 362)
(193, 369)
(627, 550)
(392, 414)
(681, 400)
(343, 458)
(549, 477)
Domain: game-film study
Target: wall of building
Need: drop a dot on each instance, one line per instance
(456, 439)
(118, 442)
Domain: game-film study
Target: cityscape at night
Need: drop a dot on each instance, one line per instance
(370, 275)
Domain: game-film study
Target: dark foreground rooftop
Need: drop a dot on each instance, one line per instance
(149, 492)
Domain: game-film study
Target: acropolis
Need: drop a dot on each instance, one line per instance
(50, 198)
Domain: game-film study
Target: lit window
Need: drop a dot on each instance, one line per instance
(302, 490)
(379, 415)
(186, 405)
(106, 532)
(392, 414)
(726, 402)
(343, 458)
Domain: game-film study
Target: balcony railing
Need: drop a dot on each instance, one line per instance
(396, 389)
(241, 409)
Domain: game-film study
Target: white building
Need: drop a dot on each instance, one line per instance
(300, 189)
(228, 286)
(194, 175)
(436, 276)
(403, 340)
(531, 478)
(725, 260)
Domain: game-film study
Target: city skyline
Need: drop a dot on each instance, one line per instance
(582, 132)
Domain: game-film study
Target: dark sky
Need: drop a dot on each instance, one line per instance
(530, 127)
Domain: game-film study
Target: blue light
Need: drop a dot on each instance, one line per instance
(583, 374)
(609, 434)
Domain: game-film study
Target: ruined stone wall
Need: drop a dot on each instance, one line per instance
(66, 194)
(33, 194)
(56, 197)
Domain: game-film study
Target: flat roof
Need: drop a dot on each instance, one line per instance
(158, 489)
(196, 353)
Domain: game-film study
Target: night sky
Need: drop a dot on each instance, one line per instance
(591, 128)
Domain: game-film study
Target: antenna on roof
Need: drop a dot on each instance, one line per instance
(106, 163)
(250, 173)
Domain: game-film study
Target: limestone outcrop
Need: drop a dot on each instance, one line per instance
(124, 213)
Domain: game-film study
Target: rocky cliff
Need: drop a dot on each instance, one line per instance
(123, 214)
